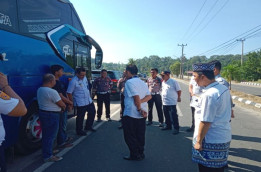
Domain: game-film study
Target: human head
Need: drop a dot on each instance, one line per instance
(57, 70)
(203, 73)
(131, 70)
(49, 80)
(103, 73)
(80, 73)
(165, 75)
(217, 68)
(154, 72)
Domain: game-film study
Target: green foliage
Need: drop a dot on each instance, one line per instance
(175, 68)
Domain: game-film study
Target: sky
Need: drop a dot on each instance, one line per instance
(137, 28)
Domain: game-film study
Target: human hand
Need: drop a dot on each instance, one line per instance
(3, 80)
(232, 114)
(144, 114)
(179, 99)
(198, 146)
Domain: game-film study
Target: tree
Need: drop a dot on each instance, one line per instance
(132, 61)
(175, 68)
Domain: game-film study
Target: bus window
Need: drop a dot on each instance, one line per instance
(8, 15)
(67, 47)
(49, 14)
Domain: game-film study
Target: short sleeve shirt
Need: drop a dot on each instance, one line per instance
(60, 88)
(169, 92)
(6, 106)
(214, 107)
(102, 84)
(154, 84)
(80, 91)
(197, 90)
(47, 99)
(133, 87)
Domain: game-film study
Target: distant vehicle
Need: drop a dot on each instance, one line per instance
(142, 76)
(115, 76)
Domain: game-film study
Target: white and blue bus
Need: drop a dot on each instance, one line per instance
(35, 34)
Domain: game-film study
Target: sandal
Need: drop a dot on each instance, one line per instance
(66, 145)
(68, 140)
(53, 159)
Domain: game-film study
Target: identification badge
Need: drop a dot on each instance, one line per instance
(4, 96)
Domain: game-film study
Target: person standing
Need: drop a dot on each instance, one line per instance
(50, 108)
(62, 139)
(222, 81)
(10, 104)
(121, 85)
(78, 92)
(171, 94)
(212, 134)
(154, 84)
(136, 94)
(195, 91)
(102, 85)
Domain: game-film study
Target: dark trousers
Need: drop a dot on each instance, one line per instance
(193, 117)
(171, 116)
(134, 135)
(2, 159)
(158, 102)
(62, 135)
(81, 111)
(202, 168)
(106, 99)
(122, 104)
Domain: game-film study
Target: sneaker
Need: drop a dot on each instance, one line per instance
(53, 158)
(161, 125)
(108, 119)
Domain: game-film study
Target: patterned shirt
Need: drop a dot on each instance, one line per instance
(102, 84)
(154, 84)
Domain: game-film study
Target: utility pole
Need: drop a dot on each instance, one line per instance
(181, 61)
(242, 40)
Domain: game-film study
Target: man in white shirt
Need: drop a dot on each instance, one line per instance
(212, 134)
(171, 94)
(78, 92)
(137, 95)
(50, 108)
(195, 91)
(10, 104)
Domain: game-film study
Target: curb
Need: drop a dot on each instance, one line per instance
(251, 83)
(247, 102)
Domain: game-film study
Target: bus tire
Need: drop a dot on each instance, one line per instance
(29, 132)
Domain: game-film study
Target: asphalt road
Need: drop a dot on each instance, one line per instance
(254, 90)
(103, 150)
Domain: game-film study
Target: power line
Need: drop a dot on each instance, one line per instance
(194, 20)
(204, 18)
(233, 39)
(209, 20)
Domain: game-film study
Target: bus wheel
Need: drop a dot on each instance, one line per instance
(30, 132)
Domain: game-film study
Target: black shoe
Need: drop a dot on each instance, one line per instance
(120, 127)
(175, 132)
(190, 129)
(108, 119)
(161, 125)
(81, 133)
(149, 123)
(90, 129)
(166, 128)
(138, 158)
(99, 120)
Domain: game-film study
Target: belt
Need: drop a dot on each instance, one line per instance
(50, 111)
(102, 92)
(155, 93)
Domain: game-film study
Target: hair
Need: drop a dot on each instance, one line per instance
(209, 74)
(79, 70)
(55, 68)
(217, 64)
(155, 69)
(132, 69)
(47, 78)
(103, 70)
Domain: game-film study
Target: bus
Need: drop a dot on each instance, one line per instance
(35, 34)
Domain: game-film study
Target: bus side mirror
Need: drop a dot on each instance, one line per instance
(98, 59)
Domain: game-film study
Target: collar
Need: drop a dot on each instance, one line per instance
(217, 76)
(209, 86)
